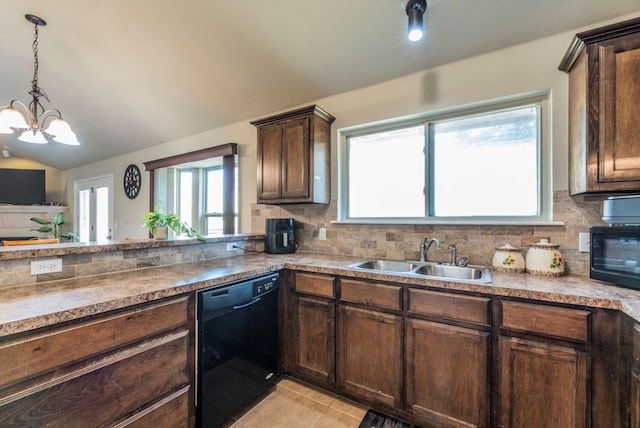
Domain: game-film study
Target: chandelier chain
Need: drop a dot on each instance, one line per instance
(35, 60)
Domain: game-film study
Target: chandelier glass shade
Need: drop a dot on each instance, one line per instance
(36, 123)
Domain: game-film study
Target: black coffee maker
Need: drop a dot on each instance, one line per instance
(279, 236)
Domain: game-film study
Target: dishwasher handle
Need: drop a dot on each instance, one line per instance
(251, 302)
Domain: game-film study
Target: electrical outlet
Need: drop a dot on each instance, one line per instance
(322, 233)
(584, 242)
(39, 267)
(231, 246)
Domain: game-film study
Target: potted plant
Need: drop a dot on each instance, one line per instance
(158, 223)
(57, 221)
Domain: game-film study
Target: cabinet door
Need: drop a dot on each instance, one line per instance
(542, 385)
(269, 158)
(634, 405)
(315, 335)
(296, 159)
(369, 354)
(619, 152)
(447, 374)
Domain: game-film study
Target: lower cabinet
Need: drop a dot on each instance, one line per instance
(315, 330)
(369, 355)
(545, 365)
(456, 359)
(634, 381)
(447, 374)
(127, 369)
(543, 385)
(313, 318)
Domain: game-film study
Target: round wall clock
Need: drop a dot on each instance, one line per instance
(132, 181)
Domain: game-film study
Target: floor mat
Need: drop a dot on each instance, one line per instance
(375, 419)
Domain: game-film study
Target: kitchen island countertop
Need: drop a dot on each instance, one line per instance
(24, 308)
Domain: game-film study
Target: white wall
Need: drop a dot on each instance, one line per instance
(516, 70)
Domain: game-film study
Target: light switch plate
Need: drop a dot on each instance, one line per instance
(584, 242)
(39, 267)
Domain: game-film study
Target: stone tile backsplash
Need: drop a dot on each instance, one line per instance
(402, 241)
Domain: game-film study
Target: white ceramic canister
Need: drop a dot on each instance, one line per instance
(508, 259)
(543, 258)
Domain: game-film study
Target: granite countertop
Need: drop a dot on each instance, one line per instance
(29, 307)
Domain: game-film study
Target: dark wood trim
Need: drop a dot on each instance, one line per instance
(304, 111)
(210, 152)
(228, 195)
(596, 35)
(228, 153)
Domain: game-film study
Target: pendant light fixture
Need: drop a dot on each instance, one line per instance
(415, 10)
(34, 121)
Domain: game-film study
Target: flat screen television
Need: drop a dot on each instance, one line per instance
(22, 186)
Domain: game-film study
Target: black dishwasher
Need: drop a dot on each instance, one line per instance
(237, 347)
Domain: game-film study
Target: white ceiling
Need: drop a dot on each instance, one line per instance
(128, 74)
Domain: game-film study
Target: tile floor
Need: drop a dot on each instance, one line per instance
(295, 404)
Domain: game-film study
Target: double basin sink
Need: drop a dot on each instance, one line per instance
(470, 273)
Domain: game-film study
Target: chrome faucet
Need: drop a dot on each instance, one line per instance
(454, 251)
(425, 245)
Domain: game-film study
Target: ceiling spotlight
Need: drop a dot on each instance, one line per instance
(33, 120)
(415, 10)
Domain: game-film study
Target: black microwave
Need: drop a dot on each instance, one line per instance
(615, 255)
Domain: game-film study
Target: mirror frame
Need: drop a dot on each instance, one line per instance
(228, 153)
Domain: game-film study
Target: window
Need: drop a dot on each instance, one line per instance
(170, 178)
(488, 164)
(214, 200)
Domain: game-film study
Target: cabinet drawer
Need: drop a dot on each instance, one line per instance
(111, 389)
(452, 306)
(371, 293)
(564, 323)
(34, 355)
(173, 411)
(316, 285)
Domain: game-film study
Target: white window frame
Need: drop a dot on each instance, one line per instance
(545, 179)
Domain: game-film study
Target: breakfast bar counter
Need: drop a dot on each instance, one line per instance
(28, 307)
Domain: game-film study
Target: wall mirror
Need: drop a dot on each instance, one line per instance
(200, 186)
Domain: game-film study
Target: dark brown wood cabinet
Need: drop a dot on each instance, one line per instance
(124, 369)
(545, 365)
(634, 381)
(604, 114)
(447, 366)
(369, 355)
(447, 369)
(294, 157)
(457, 359)
(314, 316)
(542, 385)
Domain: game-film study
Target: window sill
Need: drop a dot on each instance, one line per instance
(453, 222)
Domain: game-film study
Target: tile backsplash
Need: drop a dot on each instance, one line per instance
(402, 241)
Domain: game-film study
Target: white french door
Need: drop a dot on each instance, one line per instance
(94, 208)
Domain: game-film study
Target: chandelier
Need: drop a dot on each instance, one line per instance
(33, 120)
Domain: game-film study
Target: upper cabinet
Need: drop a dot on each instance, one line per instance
(294, 157)
(604, 113)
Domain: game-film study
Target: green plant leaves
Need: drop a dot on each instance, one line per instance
(40, 220)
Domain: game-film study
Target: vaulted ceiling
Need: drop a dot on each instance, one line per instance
(128, 74)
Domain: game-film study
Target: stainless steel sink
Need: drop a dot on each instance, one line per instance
(457, 272)
(471, 273)
(385, 265)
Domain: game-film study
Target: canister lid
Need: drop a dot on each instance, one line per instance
(544, 243)
(508, 247)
